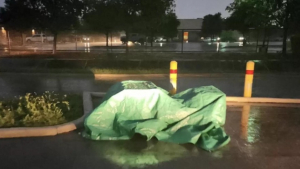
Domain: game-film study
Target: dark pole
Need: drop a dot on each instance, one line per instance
(111, 41)
(8, 41)
(76, 41)
(182, 41)
(257, 39)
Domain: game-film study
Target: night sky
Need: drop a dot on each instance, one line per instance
(189, 9)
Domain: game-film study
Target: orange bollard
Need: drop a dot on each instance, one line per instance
(249, 79)
(173, 77)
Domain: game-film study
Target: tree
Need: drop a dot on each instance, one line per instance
(249, 14)
(15, 17)
(102, 17)
(266, 13)
(285, 12)
(170, 25)
(155, 16)
(128, 14)
(212, 25)
(52, 15)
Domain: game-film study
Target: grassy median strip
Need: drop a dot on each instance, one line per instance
(33, 110)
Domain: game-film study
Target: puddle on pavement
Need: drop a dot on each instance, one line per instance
(266, 123)
(254, 129)
(138, 153)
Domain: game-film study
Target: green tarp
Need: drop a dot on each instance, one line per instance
(192, 116)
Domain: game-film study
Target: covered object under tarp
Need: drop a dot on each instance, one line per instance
(192, 116)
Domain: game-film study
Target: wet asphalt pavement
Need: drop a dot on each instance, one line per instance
(267, 85)
(262, 137)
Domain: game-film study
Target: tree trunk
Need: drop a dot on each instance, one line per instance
(54, 42)
(111, 41)
(127, 50)
(264, 40)
(244, 40)
(23, 38)
(151, 39)
(107, 36)
(257, 40)
(268, 41)
(8, 40)
(285, 32)
(285, 28)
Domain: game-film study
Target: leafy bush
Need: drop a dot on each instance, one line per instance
(34, 110)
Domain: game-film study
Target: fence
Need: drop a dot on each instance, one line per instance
(187, 41)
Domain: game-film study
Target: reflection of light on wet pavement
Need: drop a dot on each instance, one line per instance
(244, 121)
(5, 49)
(250, 126)
(218, 46)
(87, 47)
(140, 154)
(161, 44)
(240, 43)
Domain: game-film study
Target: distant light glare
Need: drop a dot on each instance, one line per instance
(241, 38)
(2, 30)
(130, 43)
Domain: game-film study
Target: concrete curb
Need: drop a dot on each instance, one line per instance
(108, 76)
(238, 100)
(262, 100)
(51, 130)
(88, 108)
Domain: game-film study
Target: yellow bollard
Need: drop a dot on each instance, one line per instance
(249, 79)
(173, 77)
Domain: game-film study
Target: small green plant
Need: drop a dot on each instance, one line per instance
(34, 110)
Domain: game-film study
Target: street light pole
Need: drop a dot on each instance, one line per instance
(182, 36)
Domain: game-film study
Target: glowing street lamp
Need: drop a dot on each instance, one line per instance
(3, 30)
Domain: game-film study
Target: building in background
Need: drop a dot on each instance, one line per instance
(190, 30)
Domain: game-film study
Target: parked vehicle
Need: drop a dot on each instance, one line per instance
(134, 37)
(38, 38)
(160, 39)
(86, 38)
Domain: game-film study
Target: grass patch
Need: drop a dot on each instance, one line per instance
(34, 110)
